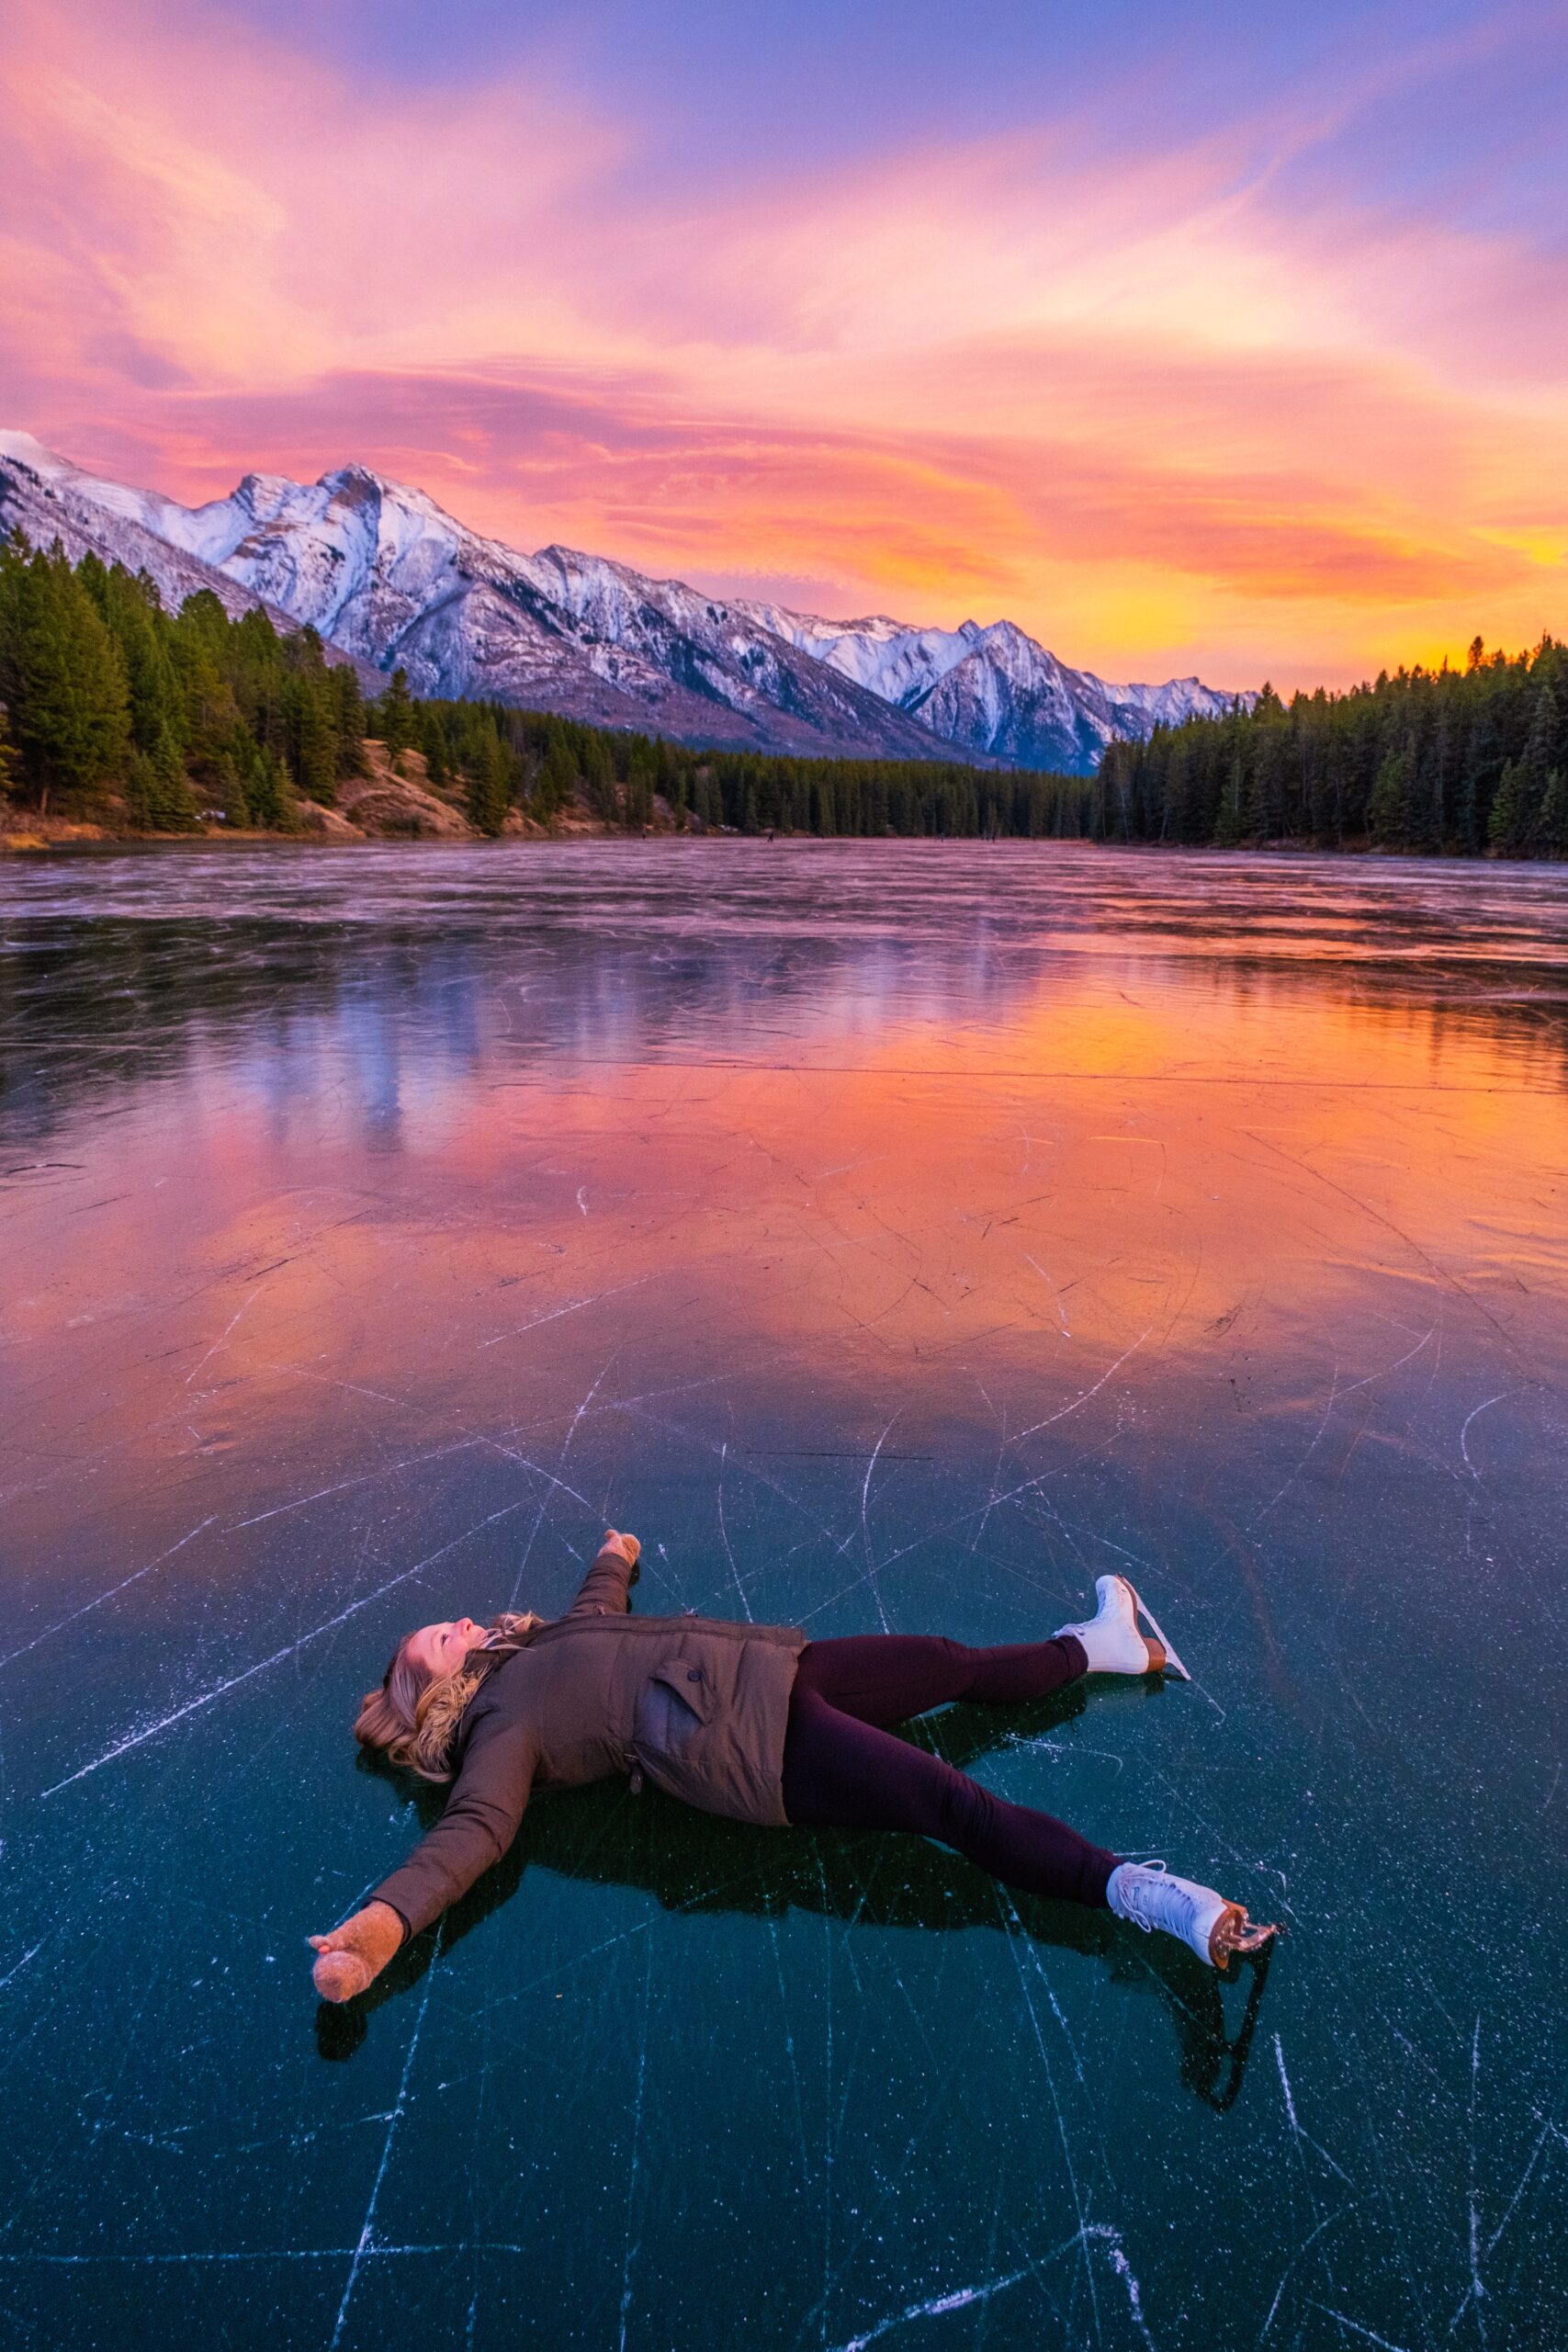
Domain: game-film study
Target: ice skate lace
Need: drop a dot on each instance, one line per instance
(1136, 1893)
(1114, 1610)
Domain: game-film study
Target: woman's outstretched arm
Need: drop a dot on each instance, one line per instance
(605, 1589)
(481, 1819)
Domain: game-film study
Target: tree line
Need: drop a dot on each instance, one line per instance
(190, 715)
(553, 763)
(1444, 762)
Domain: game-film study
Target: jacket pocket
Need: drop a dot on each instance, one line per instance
(673, 1712)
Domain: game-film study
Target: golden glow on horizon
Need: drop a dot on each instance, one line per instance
(1142, 407)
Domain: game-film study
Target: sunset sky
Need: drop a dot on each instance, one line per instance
(1192, 337)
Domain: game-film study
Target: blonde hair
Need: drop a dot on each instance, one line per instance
(411, 1717)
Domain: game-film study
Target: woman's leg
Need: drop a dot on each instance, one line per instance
(887, 1678)
(841, 1772)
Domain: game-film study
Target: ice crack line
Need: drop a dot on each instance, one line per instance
(1296, 2125)
(634, 2243)
(216, 1344)
(572, 1306)
(60, 1624)
(194, 1706)
(960, 2300)
(366, 2245)
(1357, 2329)
(261, 2253)
(965, 2298)
(1475, 1414)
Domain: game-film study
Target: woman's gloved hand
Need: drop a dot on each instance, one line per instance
(355, 1952)
(628, 1546)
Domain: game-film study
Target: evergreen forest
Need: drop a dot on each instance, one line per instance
(1442, 762)
(186, 718)
(173, 721)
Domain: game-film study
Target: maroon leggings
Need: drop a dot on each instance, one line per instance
(842, 1769)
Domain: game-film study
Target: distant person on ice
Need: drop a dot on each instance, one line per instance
(750, 1721)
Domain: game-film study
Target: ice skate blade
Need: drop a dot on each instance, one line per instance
(1172, 1663)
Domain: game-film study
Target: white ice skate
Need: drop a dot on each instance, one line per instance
(1151, 1896)
(1110, 1638)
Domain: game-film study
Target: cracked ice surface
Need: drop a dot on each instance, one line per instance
(897, 1235)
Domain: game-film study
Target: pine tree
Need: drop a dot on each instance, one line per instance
(269, 797)
(142, 791)
(7, 756)
(1481, 771)
(1388, 807)
(350, 720)
(555, 785)
(1230, 823)
(311, 708)
(639, 801)
(157, 790)
(229, 790)
(396, 714)
(433, 743)
(1505, 827)
(489, 782)
(1518, 811)
(1540, 753)
(599, 777)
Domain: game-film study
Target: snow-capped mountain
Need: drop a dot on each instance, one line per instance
(994, 690)
(47, 499)
(389, 578)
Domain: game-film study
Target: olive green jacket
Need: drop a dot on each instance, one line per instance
(698, 1705)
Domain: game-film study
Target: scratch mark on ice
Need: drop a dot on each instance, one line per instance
(1081, 1399)
(217, 1342)
(961, 2299)
(366, 2233)
(1464, 1449)
(1055, 1294)
(1311, 2239)
(1357, 2329)
(1296, 2125)
(60, 1624)
(364, 1477)
(18, 1966)
(723, 1532)
(871, 1568)
(965, 2298)
(572, 1308)
(633, 2245)
(194, 1706)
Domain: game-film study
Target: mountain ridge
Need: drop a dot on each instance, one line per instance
(390, 579)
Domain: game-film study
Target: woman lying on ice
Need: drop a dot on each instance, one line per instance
(752, 1721)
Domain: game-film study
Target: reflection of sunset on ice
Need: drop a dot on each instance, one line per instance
(1110, 1146)
(898, 1238)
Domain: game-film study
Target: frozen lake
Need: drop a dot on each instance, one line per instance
(897, 1235)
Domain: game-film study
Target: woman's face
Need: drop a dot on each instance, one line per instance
(441, 1649)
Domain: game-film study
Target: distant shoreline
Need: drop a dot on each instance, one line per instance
(80, 841)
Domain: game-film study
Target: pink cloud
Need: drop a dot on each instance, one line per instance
(1135, 403)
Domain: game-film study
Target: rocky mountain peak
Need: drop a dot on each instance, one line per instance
(391, 579)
